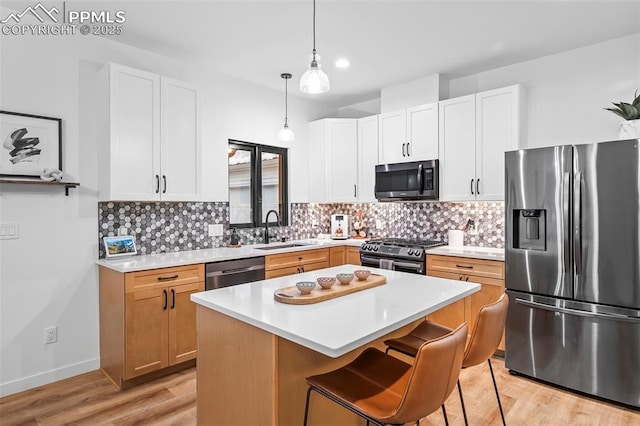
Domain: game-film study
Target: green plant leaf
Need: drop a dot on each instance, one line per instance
(617, 112)
(630, 111)
(636, 101)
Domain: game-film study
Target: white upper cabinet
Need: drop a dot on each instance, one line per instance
(475, 132)
(180, 150)
(367, 158)
(343, 153)
(342, 160)
(409, 135)
(393, 137)
(457, 148)
(152, 147)
(333, 160)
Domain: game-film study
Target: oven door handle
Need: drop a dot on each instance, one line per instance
(408, 265)
(372, 260)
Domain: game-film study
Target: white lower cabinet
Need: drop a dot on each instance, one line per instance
(342, 159)
(475, 132)
(151, 150)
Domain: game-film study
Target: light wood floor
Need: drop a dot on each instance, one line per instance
(91, 399)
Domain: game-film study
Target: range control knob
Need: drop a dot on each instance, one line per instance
(417, 252)
(375, 248)
(410, 252)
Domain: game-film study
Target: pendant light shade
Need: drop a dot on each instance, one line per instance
(286, 134)
(314, 80)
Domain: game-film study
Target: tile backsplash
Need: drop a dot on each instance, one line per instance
(161, 227)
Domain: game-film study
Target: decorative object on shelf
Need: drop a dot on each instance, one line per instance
(30, 144)
(630, 128)
(119, 246)
(359, 230)
(314, 80)
(49, 175)
(286, 134)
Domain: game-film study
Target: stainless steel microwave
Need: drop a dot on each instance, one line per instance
(407, 181)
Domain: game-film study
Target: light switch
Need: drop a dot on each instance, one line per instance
(9, 231)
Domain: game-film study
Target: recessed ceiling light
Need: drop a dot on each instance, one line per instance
(343, 63)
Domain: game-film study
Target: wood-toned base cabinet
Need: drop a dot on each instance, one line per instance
(147, 320)
(353, 255)
(280, 265)
(488, 273)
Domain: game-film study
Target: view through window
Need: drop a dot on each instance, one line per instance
(257, 183)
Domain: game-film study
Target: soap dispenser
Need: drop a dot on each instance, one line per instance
(234, 237)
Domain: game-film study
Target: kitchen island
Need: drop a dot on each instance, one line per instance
(254, 353)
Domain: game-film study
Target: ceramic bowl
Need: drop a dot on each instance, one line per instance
(344, 278)
(326, 282)
(361, 274)
(306, 287)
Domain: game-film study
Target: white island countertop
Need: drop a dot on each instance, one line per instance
(190, 257)
(337, 326)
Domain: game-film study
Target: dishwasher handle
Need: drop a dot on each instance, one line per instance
(235, 271)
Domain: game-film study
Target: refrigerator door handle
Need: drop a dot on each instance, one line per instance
(565, 223)
(577, 222)
(615, 317)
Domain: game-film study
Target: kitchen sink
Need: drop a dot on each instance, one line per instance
(281, 246)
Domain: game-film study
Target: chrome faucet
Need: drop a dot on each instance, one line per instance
(266, 224)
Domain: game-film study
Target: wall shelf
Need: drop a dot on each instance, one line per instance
(66, 185)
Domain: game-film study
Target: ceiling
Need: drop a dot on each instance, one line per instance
(387, 42)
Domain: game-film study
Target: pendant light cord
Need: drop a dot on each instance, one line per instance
(286, 102)
(314, 30)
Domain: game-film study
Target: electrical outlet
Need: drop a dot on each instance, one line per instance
(216, 230)
(50, 335)
(378, 224)
(9, 231)
(314, 222)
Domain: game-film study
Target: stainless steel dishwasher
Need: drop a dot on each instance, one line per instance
(233, 272)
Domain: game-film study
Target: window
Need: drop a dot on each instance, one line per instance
(257, 184)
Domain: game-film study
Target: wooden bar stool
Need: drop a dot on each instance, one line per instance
(482, 344)
(385, 390)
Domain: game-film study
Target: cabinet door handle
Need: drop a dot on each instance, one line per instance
(298, 268)
(157, 184)
(403, 154)
(477, 186)
(164, 184)
(164, 308)
(466, 279)
(303, 269)
(173, 298)
(172, 277)
(464, 266)
(408, 150)
(355, 191)
(471, 186)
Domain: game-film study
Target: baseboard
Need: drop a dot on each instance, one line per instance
(47, 377)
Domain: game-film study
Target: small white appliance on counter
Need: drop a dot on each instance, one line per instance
(340, 226)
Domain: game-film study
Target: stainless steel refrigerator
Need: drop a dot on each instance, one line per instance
(573, 267)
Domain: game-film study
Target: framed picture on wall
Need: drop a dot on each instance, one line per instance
(119, 246)
(30, 144)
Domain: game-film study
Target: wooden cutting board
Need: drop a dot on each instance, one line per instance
(292, 295)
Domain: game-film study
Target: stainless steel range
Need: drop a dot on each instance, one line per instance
(398, 254)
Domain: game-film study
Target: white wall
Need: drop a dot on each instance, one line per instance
(566, 92)
(421, 91)
(48, 276)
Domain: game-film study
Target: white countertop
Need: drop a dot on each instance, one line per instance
(337, 326)
(180, 258)
(487, 253)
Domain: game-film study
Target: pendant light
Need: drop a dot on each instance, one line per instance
(286, 134)
(314, 80)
